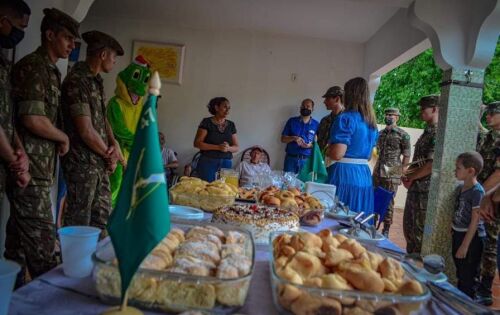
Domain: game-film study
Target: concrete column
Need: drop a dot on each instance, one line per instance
(463, 41)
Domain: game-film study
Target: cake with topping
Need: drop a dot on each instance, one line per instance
(260, 220)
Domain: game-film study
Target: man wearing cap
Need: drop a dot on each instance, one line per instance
(94, 151)
(333, 102)
(418, 179)
(298, 134)
(14, 164)
(36, 83)
(248, 170)
(393, 142)
(489, 177)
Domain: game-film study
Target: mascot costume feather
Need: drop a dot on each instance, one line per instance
(124, 110)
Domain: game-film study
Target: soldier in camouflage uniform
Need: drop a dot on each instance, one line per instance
(418, 181)
(393, 142)
(13, 159)
(93, 150)
(31, 233)
(334, 103)
(487, 145)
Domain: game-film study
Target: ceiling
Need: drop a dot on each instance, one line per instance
(346, 20)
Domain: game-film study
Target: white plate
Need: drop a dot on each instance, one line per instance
(423, 275)
(341, 215)
(363, 236)
(185, 213)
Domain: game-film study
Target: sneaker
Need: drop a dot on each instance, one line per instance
(385, 233)
(485, 300)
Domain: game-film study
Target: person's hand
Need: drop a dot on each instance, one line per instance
(111, 166)
(21, 164)
(300, 141)
(406, 181)
(224, 147)
(63, 147)
(486, 209)
(114, 152)
(461, 252)
(23, 179)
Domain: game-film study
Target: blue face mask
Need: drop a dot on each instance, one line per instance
(15, 36)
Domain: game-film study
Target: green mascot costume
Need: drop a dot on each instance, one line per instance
(124, 110)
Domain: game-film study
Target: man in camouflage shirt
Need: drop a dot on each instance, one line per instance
(393, 142)
(93, 150)
(334, 103)
(487, 145)
(418, 181)
(31, 236)
(14, 17)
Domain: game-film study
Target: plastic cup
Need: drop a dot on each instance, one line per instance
(78, 243)
(8, 273)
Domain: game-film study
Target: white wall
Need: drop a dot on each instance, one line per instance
(252, 69)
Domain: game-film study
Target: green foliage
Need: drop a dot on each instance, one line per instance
(403, 87)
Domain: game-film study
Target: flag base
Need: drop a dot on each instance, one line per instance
(127, 310)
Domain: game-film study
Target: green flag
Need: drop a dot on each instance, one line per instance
(140, 219)
(314, 169)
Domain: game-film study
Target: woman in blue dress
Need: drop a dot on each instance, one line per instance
(352, 138)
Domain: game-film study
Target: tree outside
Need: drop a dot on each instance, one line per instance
(403, 87)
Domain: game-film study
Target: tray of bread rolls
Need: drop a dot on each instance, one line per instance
(307, 207)
(197, 193)
(327, 273)
(206, 267)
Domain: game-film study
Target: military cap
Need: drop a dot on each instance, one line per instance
(391, 110)
(493, 107)
(62, 19)
(429, 101)
(97, 40)
(334, 91)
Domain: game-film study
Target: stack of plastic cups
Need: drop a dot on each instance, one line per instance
(8, 273)
(78, 243)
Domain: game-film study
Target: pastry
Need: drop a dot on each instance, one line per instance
(306, 265)
(361, 278)
(353, 246)
(305, 240)
(191, 295)
(411, 287)
(308, 305)
(336, 256)
(287, 294)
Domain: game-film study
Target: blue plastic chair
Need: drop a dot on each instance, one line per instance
(382, 199)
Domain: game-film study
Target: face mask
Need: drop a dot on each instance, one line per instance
(10, 41)
(305, 112)
(389, 121)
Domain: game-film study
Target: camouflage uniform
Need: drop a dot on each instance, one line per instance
(417, 196)
(486, 147)
(31, 235)
(392, 143)
(85, 170)
(324, 130)
(6, 115)
(30, 230)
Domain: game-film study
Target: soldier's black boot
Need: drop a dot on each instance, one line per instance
(483, 295)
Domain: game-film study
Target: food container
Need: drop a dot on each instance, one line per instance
(351, 301)
(205, 202)
(230, 176)
(174, 292)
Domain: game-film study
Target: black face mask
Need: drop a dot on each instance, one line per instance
(10, 41)
(389, 121)
(305, 112)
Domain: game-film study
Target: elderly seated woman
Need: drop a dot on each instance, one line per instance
(248, 170)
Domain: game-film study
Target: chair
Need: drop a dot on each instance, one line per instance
(173, 177)
(245, 156)
(382, 199)
(194, 164)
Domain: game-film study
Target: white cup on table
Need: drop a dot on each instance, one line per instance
(78, 243)
(8, 274)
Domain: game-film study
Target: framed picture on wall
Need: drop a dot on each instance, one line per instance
(167, 59)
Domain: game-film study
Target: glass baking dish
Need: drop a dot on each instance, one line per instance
(174, 292)
(351, 301)
(205, 202)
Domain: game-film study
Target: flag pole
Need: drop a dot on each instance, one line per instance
(124, 309)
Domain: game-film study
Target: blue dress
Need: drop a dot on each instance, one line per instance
(353, 181)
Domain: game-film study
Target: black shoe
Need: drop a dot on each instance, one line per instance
(484, 300)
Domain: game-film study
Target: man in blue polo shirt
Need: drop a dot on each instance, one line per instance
(298, 134)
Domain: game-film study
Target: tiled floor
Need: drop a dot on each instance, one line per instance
(396, 235)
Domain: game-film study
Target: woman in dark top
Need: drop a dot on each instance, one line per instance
(216, 139)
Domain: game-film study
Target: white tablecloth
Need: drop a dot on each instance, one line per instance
(53, 293)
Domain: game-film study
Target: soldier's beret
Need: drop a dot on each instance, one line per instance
(97, 40)
(391, 110)
(63, 19)
(493, 107)
(429, 101)
(334, 91)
